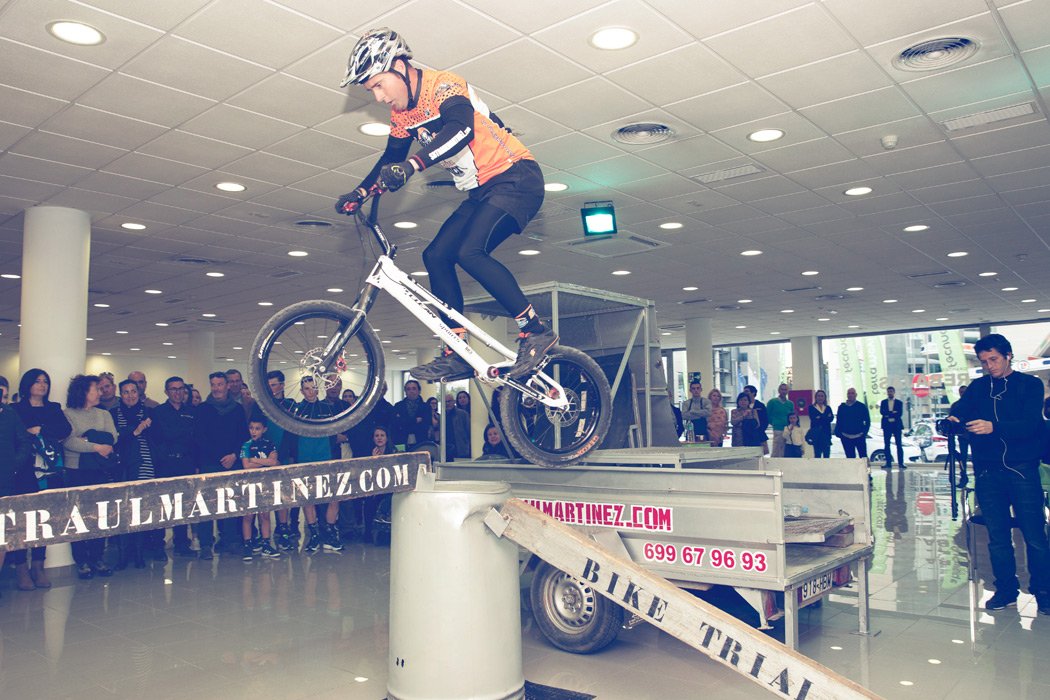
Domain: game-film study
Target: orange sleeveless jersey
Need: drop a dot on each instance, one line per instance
(490, 152)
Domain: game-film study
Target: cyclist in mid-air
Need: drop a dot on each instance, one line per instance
(503, 182)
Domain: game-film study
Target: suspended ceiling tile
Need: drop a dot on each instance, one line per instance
(532, 16)
(969, 85)
(326, 66)
(112, 183)
(717, 110)
(196, 69)
(696, 152)
(11, 134)
(67, 78)
(696, 71)
(159, 212)
(102, 127)
(292, 100)
(847, 74)
(1015, 161)
(297, 200)
(1004, 140)
(240, 127)
(529, 127)
(273, 37)
(782, 42)
(659, 187)
(913, 131)
(1027, 23)
(811, 154)
(860, 111)
(571, 151)
(1020, 180)
(319, 149)
(815, 215)
(95, 202)
(146, 167)
(194, 200)
(848, 173)
(197, 150)
(42, 144)
(605, 102)
(15, 165)
(943, 174)
(142, 99)
(26, 108)
(966, 206)
(547, 70)
(902, 160)
(787, 203)
(703, 20)
(571, 37)
(434, 47)
(872, 23)
(796, 128)
(697, 204)
(758, 188)
(958, 190)
(267, 167)
(162, 15)
(330, 184)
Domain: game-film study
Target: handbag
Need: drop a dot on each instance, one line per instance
(93, 461)
(49, 456)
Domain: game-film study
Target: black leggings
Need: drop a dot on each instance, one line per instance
(466, 239)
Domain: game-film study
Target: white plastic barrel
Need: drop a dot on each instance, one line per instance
(455, 616)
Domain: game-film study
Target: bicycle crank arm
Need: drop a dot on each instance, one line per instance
(553, 397)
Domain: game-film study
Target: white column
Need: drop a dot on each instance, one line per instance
(56, 250)
(805, 363)
(698, 356)
(202, 361)
(479, 415)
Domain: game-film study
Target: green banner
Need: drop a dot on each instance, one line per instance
(874, 372)
(953, 362)
(849, 367)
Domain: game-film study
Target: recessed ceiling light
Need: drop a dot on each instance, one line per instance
(101, 306)
(238, 347)
(671, 225)
(666, 333)
(162, 325)
(810, 273)
(374, 129)
(1041, 311)
(153, 291)
(75, 33)
(89, 339)
(230, 187)
(613, 38)
(909, 683)
(621, 272)
(918, 311)
(298, 253)
(854, 289)
(764, 135)
(889, 301)
(1009, 289)
(386, 341)
(11, 276)
(208, 315)
(787, 311)
(1027, 301)
(419, 273)
(943, 318)
(215, 274)
(528, 251)
(774, 332)
(743, 301)
(405, 224)
(172, 357)
(751, 252)
(555, 187)
(230, 359)
(107, 354)
(133, 227)
(741, 327)
(167, 343)
(916, 228)
(122, 332)
(935, 662)
(823, 319)
(958, 254)
(134, 349)
(690, 289)
(857, 191)
(265, 303)
(852, 326)
(334, 290)
(988, 274)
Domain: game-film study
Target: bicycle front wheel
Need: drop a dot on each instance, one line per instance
(292, 345)
(559, 437)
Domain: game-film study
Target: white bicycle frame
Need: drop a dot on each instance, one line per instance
(416, 299)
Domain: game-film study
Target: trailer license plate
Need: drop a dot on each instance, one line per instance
(816, 587)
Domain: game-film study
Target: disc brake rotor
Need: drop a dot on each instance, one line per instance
(567, 415)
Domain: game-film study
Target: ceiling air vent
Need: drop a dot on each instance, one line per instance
(550, 210)
(209, 320)
(727, 307)
(694, 301)
(954, 283)
(123, 313)
(829, 297)
(198, 261)
(728, 173)
(612, 246)
(642, 134)
(801, 289)
(969, 121)
(173, 301)
(921, 275)
(936, 54)
(313, 224)
(284, 273)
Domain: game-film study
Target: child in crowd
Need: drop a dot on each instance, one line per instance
(258, 452)
(794, 437)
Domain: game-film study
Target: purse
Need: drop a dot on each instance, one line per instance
(49, 456)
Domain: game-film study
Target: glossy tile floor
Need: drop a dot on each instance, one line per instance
(316, 627)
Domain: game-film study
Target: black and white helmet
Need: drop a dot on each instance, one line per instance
(374, 53)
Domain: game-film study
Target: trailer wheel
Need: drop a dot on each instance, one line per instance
(571, 615)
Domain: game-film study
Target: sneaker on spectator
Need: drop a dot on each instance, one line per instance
(1042, 602)
(1001, 600)
(268, 551)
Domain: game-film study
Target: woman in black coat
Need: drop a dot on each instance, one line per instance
(46, 422)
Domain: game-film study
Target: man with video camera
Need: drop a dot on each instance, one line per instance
(1002, 412)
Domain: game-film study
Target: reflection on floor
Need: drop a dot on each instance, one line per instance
(316, 627)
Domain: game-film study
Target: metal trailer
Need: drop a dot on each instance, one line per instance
(698, 517)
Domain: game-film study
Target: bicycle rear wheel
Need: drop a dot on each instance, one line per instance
(559, 437)
(293, 342)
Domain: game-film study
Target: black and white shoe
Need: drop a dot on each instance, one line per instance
(531, 349)
(450, 367)
(1001, 600)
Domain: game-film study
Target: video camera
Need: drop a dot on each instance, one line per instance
(947, 427)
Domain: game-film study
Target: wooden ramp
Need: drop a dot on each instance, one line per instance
(723, 638)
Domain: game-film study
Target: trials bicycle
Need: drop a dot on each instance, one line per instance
(552, 417)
